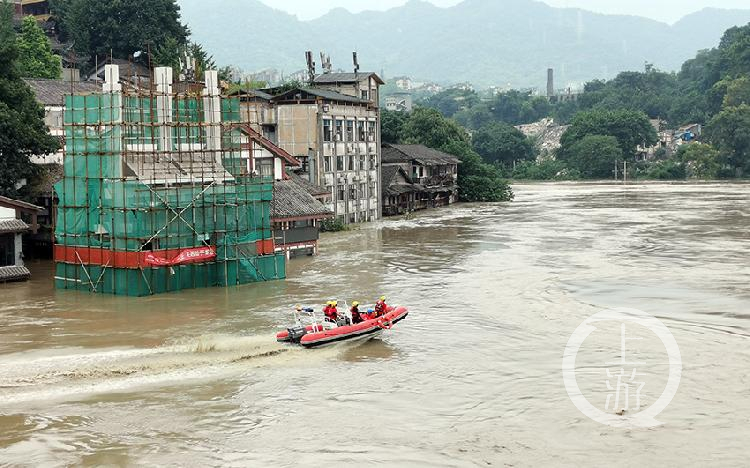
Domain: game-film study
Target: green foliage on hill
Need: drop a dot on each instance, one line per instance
(503, 144)
(119, 28)
(629, 128)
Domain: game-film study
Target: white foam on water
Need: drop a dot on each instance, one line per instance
(64, 374)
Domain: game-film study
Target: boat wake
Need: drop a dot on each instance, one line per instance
(53, 374)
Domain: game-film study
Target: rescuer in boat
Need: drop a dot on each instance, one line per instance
(332, 314)
(356, 317)
(380, 307)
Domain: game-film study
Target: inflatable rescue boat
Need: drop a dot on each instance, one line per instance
(321, 333)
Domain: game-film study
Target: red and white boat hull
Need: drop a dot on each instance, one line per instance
(316, 336)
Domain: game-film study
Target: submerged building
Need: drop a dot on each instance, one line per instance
(160, 192)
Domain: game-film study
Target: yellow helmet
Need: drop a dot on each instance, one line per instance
(334, 303)
(329, 303)
(355, 303)
(382, 298)
(298, 307)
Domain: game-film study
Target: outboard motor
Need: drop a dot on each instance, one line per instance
(296, 333)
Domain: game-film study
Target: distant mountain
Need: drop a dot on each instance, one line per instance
(486, 42)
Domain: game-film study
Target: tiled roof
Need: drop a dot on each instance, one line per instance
(291, 200)
(326, 94)
(12, 225)
(388, 173)
(52, 92)
(14, 273)
(420, 153)
(390, 185)
(11, 203)
(252, 93)
(313, 189)
(346, 77)
(127, 68)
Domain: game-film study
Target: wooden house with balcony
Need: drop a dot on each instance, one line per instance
(416, 177)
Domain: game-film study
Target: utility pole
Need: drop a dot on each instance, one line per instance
(625, 172)
(616, 168)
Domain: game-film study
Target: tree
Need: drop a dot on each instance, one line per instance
(729, 132)
(701, 161)
(22, 129)
(392, 126)
(594, 156)
(737, 92)
(630, 128)
(667, 170)
(120, 27)
(428, 127)
(502, 143)
(450, 101)
(35, 54)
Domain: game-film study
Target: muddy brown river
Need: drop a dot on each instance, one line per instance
(471, 378)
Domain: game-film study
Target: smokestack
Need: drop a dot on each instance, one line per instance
(550, 82)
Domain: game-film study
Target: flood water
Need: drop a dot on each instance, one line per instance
(471, 378)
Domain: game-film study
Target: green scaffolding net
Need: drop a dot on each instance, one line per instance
(150, 181)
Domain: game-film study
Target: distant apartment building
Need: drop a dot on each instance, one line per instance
(333, 128)
(404, 82)
(463, 86)
(401, 102)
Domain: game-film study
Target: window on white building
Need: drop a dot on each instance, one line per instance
(361, 133)
(350, 130)
(327, 130)
(339, 130)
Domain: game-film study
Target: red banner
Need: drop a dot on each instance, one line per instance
(196, 255)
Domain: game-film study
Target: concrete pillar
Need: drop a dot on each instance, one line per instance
(212, 112)
(164, 103)
(112, 79)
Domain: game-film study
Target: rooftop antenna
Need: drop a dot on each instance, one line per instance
(325, 62)
(356, 72)
(310, 66)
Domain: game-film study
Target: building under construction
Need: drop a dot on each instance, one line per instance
(159, 192)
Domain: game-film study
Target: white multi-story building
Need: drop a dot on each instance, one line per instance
(333, 128)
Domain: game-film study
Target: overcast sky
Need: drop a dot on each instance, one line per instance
(663, 10)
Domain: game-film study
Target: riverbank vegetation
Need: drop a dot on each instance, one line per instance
(610, 122)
